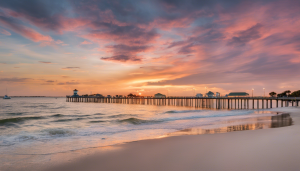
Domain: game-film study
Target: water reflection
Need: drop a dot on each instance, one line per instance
(280, 120)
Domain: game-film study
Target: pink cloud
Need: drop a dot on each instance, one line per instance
(32, 34)
(25, 31)
(59, 42)
(5, 32)
(86, 43)
(71, 24)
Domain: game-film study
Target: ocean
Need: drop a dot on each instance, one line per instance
(47, 126)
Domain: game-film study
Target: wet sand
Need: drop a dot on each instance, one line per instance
(262, 150)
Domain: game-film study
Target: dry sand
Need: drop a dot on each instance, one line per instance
(274, 149)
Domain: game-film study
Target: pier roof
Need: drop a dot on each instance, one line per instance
(238, 94)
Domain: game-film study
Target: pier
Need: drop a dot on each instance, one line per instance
(197, 102)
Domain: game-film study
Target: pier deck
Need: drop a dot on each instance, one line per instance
(198, 102)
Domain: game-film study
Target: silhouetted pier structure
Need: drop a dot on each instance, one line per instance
(197, 102)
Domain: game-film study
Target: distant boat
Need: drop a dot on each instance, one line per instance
(6, 97)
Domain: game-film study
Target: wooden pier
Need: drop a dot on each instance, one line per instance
(197, 102)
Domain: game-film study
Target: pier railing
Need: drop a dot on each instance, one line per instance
(197, 102)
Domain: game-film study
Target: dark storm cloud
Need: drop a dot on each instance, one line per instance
(11, 22)
(132, 12)
(72, 83)
(121, 48)
(280, 40)
(68, 83)
(43, 13)
(45, 62)
(146, 11)
(15, 79)
(130, 34)
(47, 14)
(125, 53)
(209, 37)
(271, 66)
(246, 36)
(122, 58)
(50, 81)
(131, 31)
(177, 43)
(186, 49)
(69, 68)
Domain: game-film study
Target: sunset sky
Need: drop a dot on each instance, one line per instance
(175, 47)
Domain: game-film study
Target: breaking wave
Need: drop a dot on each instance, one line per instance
(59, 132)
(18, 120)
(96, 121)
(184, 111)
(137, 121)
(120, 115)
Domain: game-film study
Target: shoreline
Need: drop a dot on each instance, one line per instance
(264, 149)
(161, 145)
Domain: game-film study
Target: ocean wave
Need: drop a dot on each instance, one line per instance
(61, 107)
(17, 113)
(120, 115)
(99, 114)
(35, 106)
(58, 115)
(61, 115)
(79, 115)
(97, 118)
(96, 121)
(6, 143)
(58, 132)
(137, 121)
(226, 114)
(63, 120)
(18, 120)
(26, 138)
(184, 111)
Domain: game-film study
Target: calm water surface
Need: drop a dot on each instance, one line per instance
(45, 126)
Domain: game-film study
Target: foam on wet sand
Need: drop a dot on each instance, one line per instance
(265, 149)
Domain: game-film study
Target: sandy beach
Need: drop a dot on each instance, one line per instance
(149, 85)
(266, 149)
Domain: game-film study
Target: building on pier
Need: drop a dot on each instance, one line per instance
(210, 94)
(159, 95)
(238, 94)
(199, 95)
(75, 93)
(99, 95)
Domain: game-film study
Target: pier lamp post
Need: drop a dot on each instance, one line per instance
(206, 90)
(194, 92)
(264, 92)
(252, 93)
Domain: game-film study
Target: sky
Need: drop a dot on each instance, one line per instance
(174, 47)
